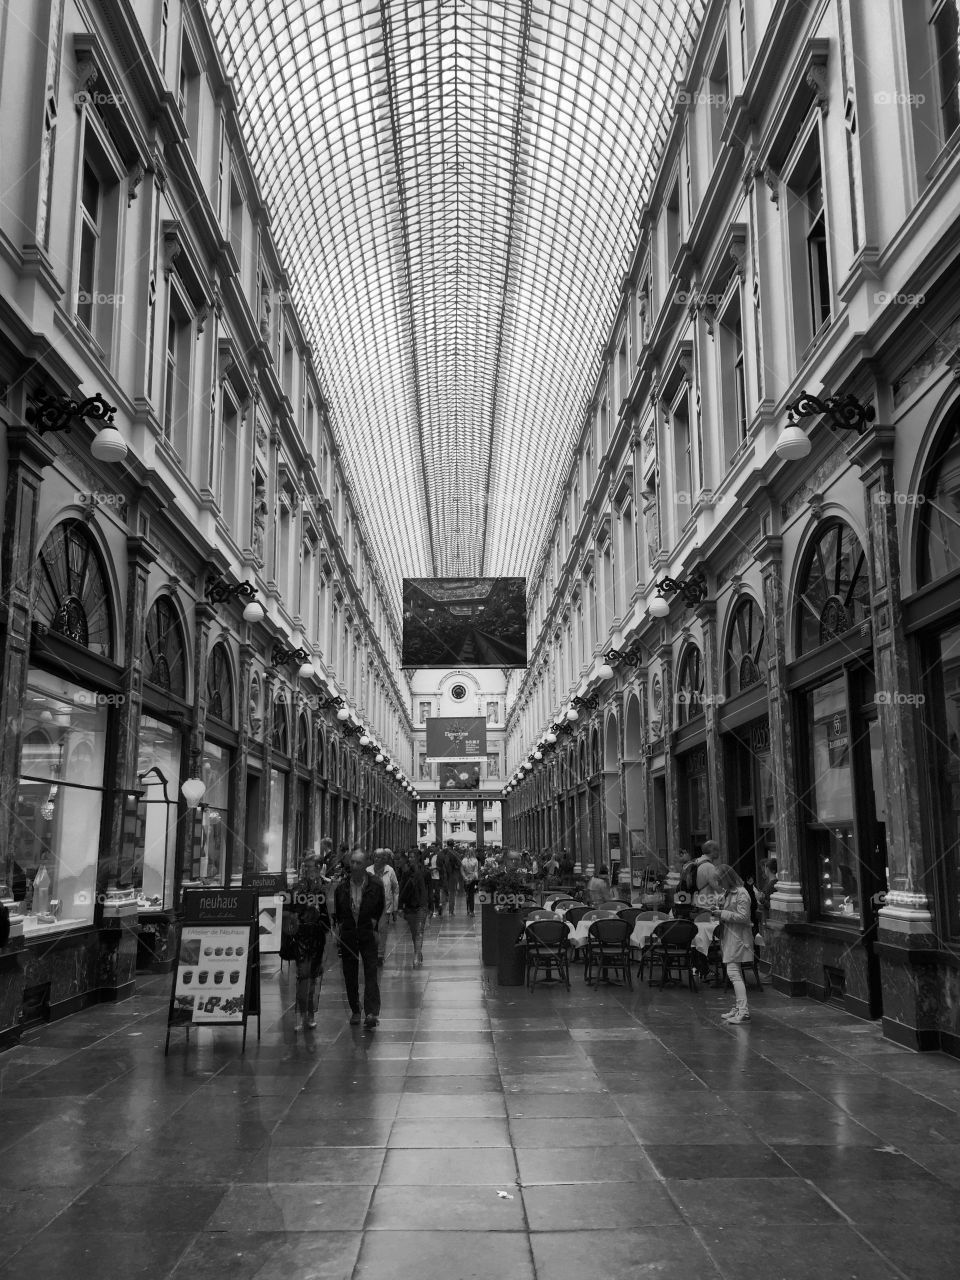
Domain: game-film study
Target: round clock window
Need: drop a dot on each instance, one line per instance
(458, 692)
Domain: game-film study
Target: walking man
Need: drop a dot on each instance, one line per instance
(450, 875)
(358, 906)
(391, 889)
(431, 869)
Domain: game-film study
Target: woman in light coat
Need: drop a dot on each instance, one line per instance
(736, 942)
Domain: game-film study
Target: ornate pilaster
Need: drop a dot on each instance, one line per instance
(787, 902)
(140, 556)
(665, 654)
(907, 909)
(713, 696)
(27, 455)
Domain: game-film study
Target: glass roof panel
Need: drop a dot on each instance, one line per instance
(455, 188)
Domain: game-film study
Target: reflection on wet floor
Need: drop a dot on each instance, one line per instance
(480, 1131)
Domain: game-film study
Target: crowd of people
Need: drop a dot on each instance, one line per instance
(359, 900)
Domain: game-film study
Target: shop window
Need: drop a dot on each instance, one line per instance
(695, 806)
(833, 591)
(71, 594)
(50, 869)
(943, 727)
(158, 779)
(940, 514)
(271, 849)
(207, 852)
(689, 696)
(745, 657)
(830, 816)
(219, 685)
(165, 651)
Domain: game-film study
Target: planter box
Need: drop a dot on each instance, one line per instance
(488, 932)
(510, 957)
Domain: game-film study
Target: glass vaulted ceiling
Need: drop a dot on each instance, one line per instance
(455, 188)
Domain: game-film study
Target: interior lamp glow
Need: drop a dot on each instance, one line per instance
(364, 741)
(253, 612)
(793, 442)
(193, 791)
(659, 607)
(109, 445)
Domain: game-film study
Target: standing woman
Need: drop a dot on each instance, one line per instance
(304, 941)
(736, 943)
(414, 901)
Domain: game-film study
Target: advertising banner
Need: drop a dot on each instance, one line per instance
(456, 740)
(212, 973)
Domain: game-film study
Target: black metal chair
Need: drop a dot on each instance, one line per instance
(671, 947)
(575, 915)
(608, 947)
(546, 943)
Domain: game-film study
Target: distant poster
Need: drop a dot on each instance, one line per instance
(460, 777)
(211, 979)
(456, 739)
(464, 622)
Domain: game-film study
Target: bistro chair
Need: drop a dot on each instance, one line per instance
(575, 915)
(546, 943)
(648, 913)
(671, 947)
(630, 914)
(540, 913)
(608, 947)
(717, 970)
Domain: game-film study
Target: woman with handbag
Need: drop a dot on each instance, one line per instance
(303, 935)
(736, 942)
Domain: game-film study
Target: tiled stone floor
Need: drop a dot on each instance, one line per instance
(479, 1132)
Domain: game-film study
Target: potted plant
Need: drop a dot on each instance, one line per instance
(506, 899)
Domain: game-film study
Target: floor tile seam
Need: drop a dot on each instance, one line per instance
(825, 1097)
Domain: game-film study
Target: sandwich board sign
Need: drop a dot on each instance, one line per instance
(217, 972)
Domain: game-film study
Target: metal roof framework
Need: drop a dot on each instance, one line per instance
(455, 188)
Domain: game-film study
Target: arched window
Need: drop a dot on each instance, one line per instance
(745, 657)
(280, 736)
(165, 648)
(689, 697)
(219, 684)
(833, 593)
(71, 594)
(939, 544)
(321, 755)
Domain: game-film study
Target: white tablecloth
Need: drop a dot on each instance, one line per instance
(643, 929)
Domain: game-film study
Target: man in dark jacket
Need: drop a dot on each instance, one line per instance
(358, 904)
